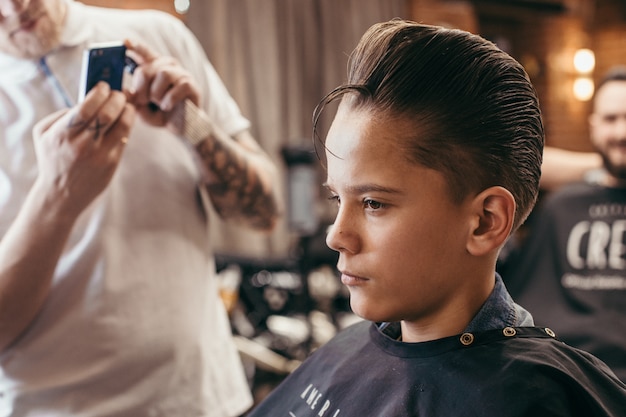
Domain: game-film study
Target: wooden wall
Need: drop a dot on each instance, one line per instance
(543, 36)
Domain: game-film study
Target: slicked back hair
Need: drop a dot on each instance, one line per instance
(477, 117)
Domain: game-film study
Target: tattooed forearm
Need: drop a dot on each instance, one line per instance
(236, 189)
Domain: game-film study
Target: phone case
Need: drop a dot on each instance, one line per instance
(102, 62)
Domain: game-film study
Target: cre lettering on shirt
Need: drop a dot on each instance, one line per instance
(604, 248)
(313, 398)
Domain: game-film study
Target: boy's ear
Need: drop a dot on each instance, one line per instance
(493, 213)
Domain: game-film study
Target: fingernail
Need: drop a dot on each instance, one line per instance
(165, 105)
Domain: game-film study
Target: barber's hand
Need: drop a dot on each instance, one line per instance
(78, 150)
(159, 87)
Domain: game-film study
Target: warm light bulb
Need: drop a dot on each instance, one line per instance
(584, 61)
(583, 88)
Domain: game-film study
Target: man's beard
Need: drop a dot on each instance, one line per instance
(617, 171)
(39, 41)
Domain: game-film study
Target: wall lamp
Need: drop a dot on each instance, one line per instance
(584, 64)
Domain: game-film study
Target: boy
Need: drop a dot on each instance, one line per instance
(434, 158)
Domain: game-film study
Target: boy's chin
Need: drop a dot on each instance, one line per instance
(368, 310)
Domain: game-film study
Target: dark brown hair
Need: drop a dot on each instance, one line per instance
(476, 114)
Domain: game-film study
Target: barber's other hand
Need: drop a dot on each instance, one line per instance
(78, 150)
(159, 87)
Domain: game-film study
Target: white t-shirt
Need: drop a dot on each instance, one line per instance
(133, 325)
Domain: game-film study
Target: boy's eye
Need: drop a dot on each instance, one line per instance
(335, 199)
(373, 204)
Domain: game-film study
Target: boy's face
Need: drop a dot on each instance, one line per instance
(608, 127)
(401, 240)
(30, 28)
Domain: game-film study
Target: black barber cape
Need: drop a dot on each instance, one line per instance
(513, 372)
(571, 272)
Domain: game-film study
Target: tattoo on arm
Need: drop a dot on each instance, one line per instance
(238, 191)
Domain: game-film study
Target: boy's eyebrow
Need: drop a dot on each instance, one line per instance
(367, 188)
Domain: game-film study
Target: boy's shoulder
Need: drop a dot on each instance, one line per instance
(524, 370)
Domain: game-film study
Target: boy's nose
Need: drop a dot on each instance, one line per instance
(341, 237)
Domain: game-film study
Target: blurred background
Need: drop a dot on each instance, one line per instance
(278, 58)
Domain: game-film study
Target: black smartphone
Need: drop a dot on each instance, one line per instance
(102, 62)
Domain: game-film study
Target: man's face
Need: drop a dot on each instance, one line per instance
(608, 127)
(30, 28)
